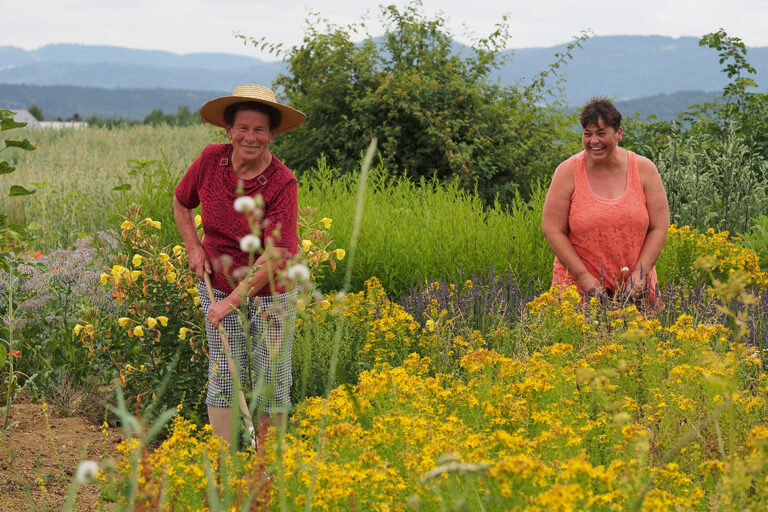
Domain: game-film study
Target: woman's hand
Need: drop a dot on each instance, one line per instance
(590, 285)
(219, 310)
(635, 285)
(198, 261)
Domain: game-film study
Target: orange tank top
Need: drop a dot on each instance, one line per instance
(607, 234)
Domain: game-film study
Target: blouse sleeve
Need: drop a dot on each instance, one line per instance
(187, 189)
(282, 214)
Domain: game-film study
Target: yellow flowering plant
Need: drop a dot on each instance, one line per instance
(160, 323)
(315, 243)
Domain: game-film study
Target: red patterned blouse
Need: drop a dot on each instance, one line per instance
(211, 181)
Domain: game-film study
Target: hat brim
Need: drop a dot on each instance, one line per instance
(213, 112)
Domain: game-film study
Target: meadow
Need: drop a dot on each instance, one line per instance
(433, 367)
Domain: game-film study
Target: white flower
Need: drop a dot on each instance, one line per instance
(251, 436)
(250, 243)
(625, 269)
(87, 471)
(298, 273)
(244, 204)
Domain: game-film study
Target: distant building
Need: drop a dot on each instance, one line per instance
(22, 115)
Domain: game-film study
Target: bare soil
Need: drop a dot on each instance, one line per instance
(39, 457)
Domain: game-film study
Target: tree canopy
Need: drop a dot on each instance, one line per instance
(433, 104)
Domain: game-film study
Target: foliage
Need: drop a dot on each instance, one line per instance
(685, 245)
(717, 182)
(414, 231)
(756, 239)
(182, 117)
(434, 110)
(714, 158)
(74, 172)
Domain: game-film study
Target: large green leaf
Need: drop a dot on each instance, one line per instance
(18, 190)
(10, 124)
(23, 144)
(6, 168)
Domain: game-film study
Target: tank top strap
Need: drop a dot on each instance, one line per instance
(579, 169)
(633, 175)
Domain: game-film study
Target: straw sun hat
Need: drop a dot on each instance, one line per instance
(213, 111)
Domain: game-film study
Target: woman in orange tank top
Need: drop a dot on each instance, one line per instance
(606, 214)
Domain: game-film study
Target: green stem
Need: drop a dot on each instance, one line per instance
(10, 349)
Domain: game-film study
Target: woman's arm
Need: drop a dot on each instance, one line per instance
(185, 221)
(658, 222)
(554, 224)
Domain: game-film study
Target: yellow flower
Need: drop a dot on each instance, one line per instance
(153, 223)
(105, 278)
(89, 330)
(177, 250)
(198, 221)
(77, 329)
(340, 253)
(126, 224)
(183, 333)
(325, 221)
(151, 322)
(170, 277)
(137, 260)
(135, 274)
(123, 320)
(118, 271)
(163, 320)
(430, 325)
(138, 331)
(196, 300)
(306, 245)
(163, 257)
(325, 304)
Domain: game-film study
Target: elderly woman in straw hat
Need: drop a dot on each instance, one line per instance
(221, 174)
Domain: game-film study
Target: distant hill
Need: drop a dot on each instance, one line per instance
(620, 67)
(65, 100)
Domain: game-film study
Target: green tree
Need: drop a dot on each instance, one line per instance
(433, 106)
(36, 111)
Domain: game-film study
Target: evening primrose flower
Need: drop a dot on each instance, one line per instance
(170, 277)
(151, 322)
(430, 325)
(177, 249)
(306, 245)
(163, 256)
(325, 221)
(135, 274)
(183, 333)
(244, 204)
(78, 328)
(126, 224)
(154, 223)
(137, 260)
(86, 472)
(299, 273)
(138, 330)
(340, 253)
(163, 320)
(105, 278)
(123, 320)
(118, 271)
(198, 221)
(250, 243)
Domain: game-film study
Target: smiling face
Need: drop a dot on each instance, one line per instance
(251, 136)
(600, 140)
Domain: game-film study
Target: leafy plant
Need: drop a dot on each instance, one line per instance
(435, 110)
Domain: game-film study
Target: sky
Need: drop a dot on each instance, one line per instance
(193, 26)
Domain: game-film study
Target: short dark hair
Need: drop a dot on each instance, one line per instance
(600, 108)
(272, 113)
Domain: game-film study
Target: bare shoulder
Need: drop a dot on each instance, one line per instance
(562, 180)
(647, 170)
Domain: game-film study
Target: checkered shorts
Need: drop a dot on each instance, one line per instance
(270, 322)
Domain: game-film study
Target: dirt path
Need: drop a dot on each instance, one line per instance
(39, 458)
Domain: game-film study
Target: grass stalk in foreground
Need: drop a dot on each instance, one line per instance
(368, 160)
